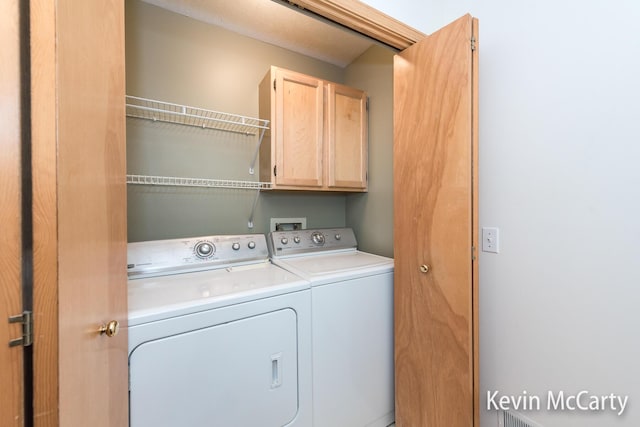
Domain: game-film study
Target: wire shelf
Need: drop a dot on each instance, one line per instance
(167, 112)
(196, 182)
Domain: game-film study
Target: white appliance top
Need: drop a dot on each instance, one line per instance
(322, 260)
(169, 278)
(162, 297)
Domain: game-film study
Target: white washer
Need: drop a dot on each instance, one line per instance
(218, 335)
(352, 324)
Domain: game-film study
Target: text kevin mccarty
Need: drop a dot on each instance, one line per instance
(558, 401)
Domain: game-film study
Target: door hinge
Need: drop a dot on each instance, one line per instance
(26, 318)
(473, 253)
(274, 84)
(367, 107)
(473, 43)
(275, 170)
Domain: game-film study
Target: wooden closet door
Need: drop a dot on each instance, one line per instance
(92, 231)
(80, 236)
(11, 375)
(434, 221)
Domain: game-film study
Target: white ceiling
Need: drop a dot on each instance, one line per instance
(274, 23)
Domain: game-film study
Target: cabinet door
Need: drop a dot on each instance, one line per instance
(435, 131)
(346, 137)
(298, 129)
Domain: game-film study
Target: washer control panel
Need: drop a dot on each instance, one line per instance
(303, 241)
(162, 257)
(205, 249)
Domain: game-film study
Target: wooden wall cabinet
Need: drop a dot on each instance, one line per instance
(318, 135)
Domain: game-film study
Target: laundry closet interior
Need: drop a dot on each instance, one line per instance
(419, 157)
(218, 124)
(174, 58)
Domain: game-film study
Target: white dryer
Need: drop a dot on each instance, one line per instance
(352, 324)
(218, 336)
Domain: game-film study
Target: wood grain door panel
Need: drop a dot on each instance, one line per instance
(79, 212)
(11, 363)
(44, 165)
(91, 191)
(433, 225)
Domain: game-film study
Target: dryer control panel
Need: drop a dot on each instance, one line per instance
(163, 257)
(304, 241)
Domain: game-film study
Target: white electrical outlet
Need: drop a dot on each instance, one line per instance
(490, 239)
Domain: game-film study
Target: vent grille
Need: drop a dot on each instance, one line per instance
(514, 419)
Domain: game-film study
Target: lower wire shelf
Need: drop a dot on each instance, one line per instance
(196, 182)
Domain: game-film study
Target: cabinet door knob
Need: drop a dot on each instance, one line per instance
(110, 329)
(424, 268)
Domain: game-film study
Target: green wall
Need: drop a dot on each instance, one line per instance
(173, 58)
(371, 214)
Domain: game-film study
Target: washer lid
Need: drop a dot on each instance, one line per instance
(162, 297)
(336, 265)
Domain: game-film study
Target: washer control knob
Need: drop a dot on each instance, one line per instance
(338, 236)
(204, 249)
(317, 238)
(251, 245)
(284, 240)
(235, 246)
(296, 239)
